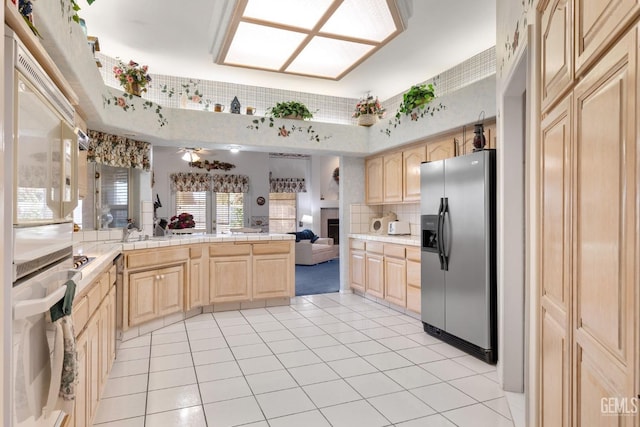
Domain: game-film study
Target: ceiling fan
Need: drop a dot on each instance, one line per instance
(192, 154)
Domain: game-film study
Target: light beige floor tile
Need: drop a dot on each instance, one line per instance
(192, 417)
(169, 399)
(401, 406)
(354, 414)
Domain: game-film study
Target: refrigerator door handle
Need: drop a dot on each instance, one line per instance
(445, 213)
(440, 227)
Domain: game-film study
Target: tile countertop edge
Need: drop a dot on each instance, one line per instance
(105, 252)
(402, 240)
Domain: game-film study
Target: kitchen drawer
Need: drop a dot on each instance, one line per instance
(413, 253)
(80, 314)
(229, 250)
(394, 251)
(195, 252)
(271, 248)
(156, 257)
(357, 244)
(94, 296)
(375, 247)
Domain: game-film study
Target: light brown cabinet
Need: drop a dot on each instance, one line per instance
(253, 270)
(273, 268)
(229, 272)
(374, 180)
(94, 323)
(411, 160)
(588, 286)
(556, 44)
(155, 293)
(395, 274)
(414, 284)
(441, 149)
(197, 291)
(357, 272)
(392, 177)
(387, 271)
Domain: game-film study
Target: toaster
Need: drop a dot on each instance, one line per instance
(399, 227)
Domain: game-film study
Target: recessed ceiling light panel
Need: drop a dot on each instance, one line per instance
(259, 46)
(294, 13)
(328, 57)
(374, 20)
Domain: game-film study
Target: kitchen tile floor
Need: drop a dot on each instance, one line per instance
(325, 360)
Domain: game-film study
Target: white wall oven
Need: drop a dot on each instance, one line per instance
(40, 140)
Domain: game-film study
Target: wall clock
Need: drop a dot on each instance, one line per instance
(260, 200)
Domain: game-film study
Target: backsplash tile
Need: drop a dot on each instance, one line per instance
(361, 216)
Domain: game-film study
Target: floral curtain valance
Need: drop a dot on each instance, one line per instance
(119, 151)
(187, 181)
(230, 183)
(288, 185)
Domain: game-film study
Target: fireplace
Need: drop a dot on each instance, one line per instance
(333, 230)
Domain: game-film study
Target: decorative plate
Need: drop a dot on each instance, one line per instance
(260, 200)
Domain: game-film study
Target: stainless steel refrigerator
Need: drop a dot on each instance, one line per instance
(458, 258)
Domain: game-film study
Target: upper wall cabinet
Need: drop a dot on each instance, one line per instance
(411, 160)
(598, 23)
(441, 149)
(374, 179)
(557, 51)
(392, 174)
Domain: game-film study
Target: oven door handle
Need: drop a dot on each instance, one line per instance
(32, 307)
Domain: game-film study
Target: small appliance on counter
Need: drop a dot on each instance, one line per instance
(398, 228)
(381, 225)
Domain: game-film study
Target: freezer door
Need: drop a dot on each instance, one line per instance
(467, 241)
(433, 291)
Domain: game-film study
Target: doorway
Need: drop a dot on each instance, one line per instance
(512, 234)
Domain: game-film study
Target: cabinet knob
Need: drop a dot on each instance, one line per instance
(157, 277)
(162, 276)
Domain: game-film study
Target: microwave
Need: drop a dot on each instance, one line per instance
(39, 121)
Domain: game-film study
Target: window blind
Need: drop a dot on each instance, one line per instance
(115, 194)
(282, 212)
(195, 203)
(229, 211)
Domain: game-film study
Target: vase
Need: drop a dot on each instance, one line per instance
(367, 119)
(133, 89)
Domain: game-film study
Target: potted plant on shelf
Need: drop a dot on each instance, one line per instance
(416, 98)
(368, 111)
(290, 110)
(132, 76)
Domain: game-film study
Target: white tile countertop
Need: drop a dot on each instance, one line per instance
(401, 240)
(105, 251)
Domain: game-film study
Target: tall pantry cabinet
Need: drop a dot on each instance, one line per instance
(589, 219)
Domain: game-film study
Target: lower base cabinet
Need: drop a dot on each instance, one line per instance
(414, 284)
(155, 293)
(95, 345)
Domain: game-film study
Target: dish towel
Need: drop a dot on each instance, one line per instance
(64, 359)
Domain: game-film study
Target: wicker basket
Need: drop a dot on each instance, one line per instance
(133, 89)
(367, 119)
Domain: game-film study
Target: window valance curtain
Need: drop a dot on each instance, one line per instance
(287, 185)
(119, 151)
(187, 181)
(230, 183)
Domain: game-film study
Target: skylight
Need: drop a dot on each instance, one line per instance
(317, 38)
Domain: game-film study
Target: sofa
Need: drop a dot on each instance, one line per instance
(321, 250)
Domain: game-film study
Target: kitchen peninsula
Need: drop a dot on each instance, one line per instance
(166, 279)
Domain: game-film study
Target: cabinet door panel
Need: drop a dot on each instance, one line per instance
(142, 297)
(196, 297)
(605, 226)
(413, 285)
(392, 174)
(395, 281)
(557, 50)
(597, 24)
(411, 160)
(375, 275)
(272, 276)
(443, 149)
(229, 278)
(357, 270)
(374, 180)
(170, 290)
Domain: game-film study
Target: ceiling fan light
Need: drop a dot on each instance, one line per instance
(190, 156)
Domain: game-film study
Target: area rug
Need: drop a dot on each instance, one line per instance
(318, 279)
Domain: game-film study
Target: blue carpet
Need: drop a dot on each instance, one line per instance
(318, 279)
